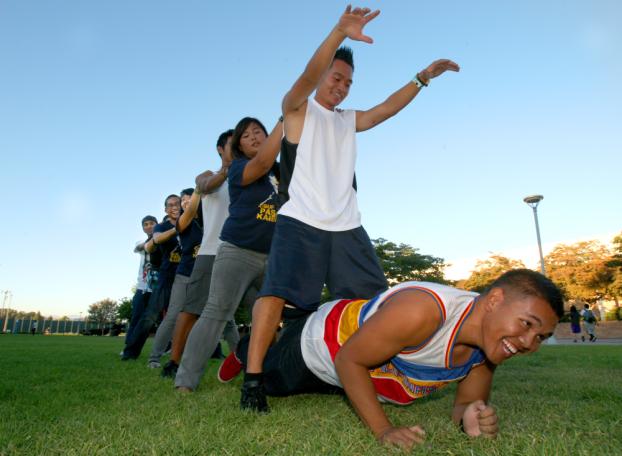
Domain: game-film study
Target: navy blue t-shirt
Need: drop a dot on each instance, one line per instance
(170, 254)
(190, 242)
(252, 210)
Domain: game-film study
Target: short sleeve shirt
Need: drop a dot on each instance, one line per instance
(170, 253)
(252, 210)
(190, 242)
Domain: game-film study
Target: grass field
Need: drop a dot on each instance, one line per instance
(72, 395)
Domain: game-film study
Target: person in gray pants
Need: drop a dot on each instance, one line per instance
(246, 237)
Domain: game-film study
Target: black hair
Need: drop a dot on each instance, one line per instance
(222, 139)
(148, 218)
(169, 197)
(526, 282)
(573, 309)
(189, 192)
(345, 54)
(239, 130)
(186, 191)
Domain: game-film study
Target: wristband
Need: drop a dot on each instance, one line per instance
(418, 82)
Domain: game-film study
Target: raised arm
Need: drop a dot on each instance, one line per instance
(185, 219)
(261, 163)
(401, 98)
(407, 320)
(351, 26)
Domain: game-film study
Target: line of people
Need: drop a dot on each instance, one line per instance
(373, 342)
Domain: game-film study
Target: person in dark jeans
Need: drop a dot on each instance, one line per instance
(165, 240)
(146, 271)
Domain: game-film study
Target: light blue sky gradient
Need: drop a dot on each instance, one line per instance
(107, 107)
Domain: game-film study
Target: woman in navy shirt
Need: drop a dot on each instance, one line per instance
(247, 233)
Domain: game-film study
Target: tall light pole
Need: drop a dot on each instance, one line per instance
(4, 310)
(533, 201)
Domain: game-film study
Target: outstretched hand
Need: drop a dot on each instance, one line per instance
(404, 437)
(352, 22)
(437, 68)
(480, 419)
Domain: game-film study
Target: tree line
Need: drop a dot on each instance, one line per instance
(586, 271)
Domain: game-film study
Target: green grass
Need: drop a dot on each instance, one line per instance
(72, 395)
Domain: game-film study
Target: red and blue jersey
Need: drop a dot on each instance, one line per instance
(415, 371)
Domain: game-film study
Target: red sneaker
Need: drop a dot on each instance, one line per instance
(230, 368)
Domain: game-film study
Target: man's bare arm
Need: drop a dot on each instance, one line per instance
(208, 181)
(149, 245)
(471, 408)
(402, 97)
(407, 320)
(350, 25)
(159, 238)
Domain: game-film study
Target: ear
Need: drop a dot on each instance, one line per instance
(494, 298)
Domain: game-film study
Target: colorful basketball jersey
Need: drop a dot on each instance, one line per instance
(415, 371)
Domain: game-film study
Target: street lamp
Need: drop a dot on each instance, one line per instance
(533, 201)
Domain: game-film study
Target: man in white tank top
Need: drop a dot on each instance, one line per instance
(410, 341)
(318, 237)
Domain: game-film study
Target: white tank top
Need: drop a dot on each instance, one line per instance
(215, 208)
(415, 371)
(320, 191)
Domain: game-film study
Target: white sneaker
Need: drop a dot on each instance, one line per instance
(154, 365)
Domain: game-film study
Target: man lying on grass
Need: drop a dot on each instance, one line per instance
(408, 342)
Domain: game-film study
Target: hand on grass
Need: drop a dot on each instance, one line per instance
(404, 437)
(480, 419)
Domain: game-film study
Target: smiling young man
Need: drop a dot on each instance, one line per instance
(410, 341)
(318, 237)
(145, 271)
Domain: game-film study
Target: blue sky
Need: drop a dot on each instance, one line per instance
(107, 107)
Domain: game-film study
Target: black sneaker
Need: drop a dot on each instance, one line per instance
(169, 370)
(254, 397)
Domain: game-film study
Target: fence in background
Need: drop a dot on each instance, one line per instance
(43, 326)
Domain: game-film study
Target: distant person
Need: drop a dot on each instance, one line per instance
(146, 273)
(408, 342)
(165, 240)
(319, 238)
(246, 237)
(215, 209)
(575, 323)
(33, 328)
(589, 322)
